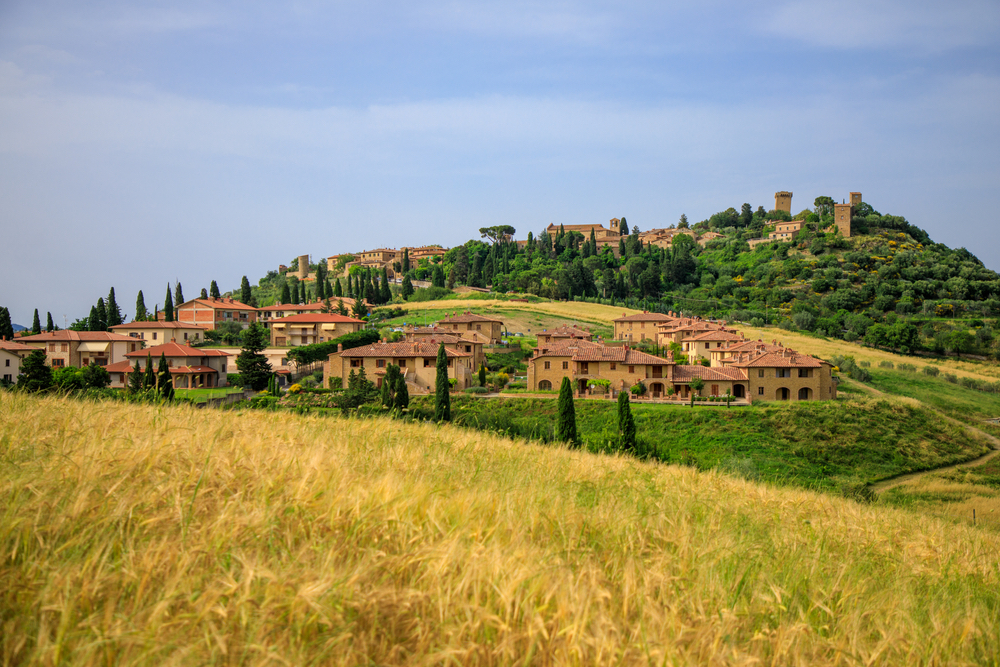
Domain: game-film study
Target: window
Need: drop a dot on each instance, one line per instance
(58, 363)
(584, 367)
(355, 363)
(468, 348)
(565, 365)
(380, 363)
(63, 347)
(8, 363)
(154, 335)
(631, 369)
(547, 365)
(185, 335)
(760, 373)
(133, 347)
(760, 391)
(805, 373)
(613, 365)
(783, 373)
(402, 363)
(428, 362)
(7, 378)
(479, 327)
(715, 390)
(52, 347)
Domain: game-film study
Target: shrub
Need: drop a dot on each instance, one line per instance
(865, 364)
(638, 389)
(886, 364)
(951, 377)
(757, 322)
(933, 371)
(477, 390)
(908, 368)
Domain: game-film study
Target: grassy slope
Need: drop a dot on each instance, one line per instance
(819, 445)
(145, 535)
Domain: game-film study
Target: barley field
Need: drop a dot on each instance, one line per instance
(144, 535)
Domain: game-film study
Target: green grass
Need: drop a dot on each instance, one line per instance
(515, 320)
(202, 395)
(966, 405)
(832, 446)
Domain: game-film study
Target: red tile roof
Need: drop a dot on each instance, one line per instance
(77, 336)
(786, 359)
(468, 317)
(422, 348)
(688, 373)
(644, 317)
(177, 350)
(217, 303)
(716, 335)
(317, 318)
(12, 346)
(159, 325)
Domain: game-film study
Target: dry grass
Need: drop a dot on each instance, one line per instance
(574, 311)
(144, 535)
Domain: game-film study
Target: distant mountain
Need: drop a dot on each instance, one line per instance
(18, 327)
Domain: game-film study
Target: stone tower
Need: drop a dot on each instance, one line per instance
(842, 216)
(303, 267)
(783, 201)
(855, 198)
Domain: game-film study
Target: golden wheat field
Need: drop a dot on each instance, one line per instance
(172, 536)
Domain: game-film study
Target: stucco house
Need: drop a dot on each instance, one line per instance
(417, 361)
(159, 332)
(190, 367)
(11, 355)
(310, 328)
(210, 312)
(82, 348)
(469, 321)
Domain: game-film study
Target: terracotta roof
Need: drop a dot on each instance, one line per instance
(127, 367)
(423, 348)
(439, 337)
(644, 317)
(12, 346)
(567, 332)
(786, 359)
(159, 325)
(295, 306)
(688, 373)
(317, 318)
(219, 303)
(177, 350)
(582, 350)
(714, 335)
(79, 336)
(468, 317)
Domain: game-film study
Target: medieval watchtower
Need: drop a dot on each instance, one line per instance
(842, 214)
(855, 198)
(303, 269)
(783, 201)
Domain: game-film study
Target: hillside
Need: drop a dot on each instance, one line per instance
(189, 536)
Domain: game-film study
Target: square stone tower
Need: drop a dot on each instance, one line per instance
(783, 201)
(842, 216)
(855, 198)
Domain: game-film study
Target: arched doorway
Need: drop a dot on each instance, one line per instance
(739, 391)
(782, 394)
(657, 389)
(545, 384)
(805, 394)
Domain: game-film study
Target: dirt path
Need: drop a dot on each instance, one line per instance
(887, 484)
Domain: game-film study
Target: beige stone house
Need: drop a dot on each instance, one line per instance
(82, 348)
(417, 361)
(310, 328)
(190, 367)
(157, 333)
(469, 322)
(583, 361)
(563, 333)
(470, 342)
(700, 345)
(278, 310)
(11, 355)
(785, 375)
(214, 310)
(786, 231)
(639, 326)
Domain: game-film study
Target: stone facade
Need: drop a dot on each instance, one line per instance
(190, 367)
(209, 313)
(311, 328)
(82, 348)
(783, 201)
(157, 333)
(842, 214)
(469, 322)
(640, 326)
(417, 362)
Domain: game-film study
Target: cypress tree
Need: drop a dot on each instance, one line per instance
(49, 326)
(102, 316)
(285, 296)
(204, 293)
(407, 287)
(482, 375)
(566, 430)
(213, 290)
(140, 308)
(442, 389)
(626, 423)
(36, 325)
(338, 290)
(168, 307)
(245, 292)
(114, 312)
(437, 277)
(148, 377)
(341, 308)
(135, 379)
(406, 261)
(320, 290)
(6, 326)
(178, 294)
(402, 393)
(93, 320)
(164, 382)
(360, 309)
(386, 396)
(385, 293)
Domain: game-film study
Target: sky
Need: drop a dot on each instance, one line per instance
(146, 143)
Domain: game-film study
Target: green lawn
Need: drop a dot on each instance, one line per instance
(527, 322)
(823, 445)
(966, 405)
(202, 395)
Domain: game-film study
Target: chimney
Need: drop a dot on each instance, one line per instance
(173, 340)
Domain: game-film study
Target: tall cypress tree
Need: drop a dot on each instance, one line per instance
(338, 289)
(178, 294)
(626, 423)
(49, 326)
(245, 292)
(164, 382)
(402, 393)
(566, 428)
(114, 312)
(406, 260)
(92, 320)
(285, 296)
(140, 308)
(36, 324)
(442, 388)
(385, 294)
(149, 377)
(407, 287)
(168, 307)
(213, 290)
(102, 316)
(135, 379)
(6, 326)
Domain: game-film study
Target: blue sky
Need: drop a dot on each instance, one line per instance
(142, 143)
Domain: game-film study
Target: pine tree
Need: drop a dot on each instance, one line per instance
(407, 287)
(168, 307)
(626, 423)
(442, 388)
(566, 429)
(36, 325)
(49, 326)
(6, 326)
(213, 290)
(102, 317)
(114, 312)
(178, 294)
(338, 290)
(149, 377)
(341, 308)
(140, 308)
(245, 292)
(360, 309)
(253, 366)
(285, 296)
